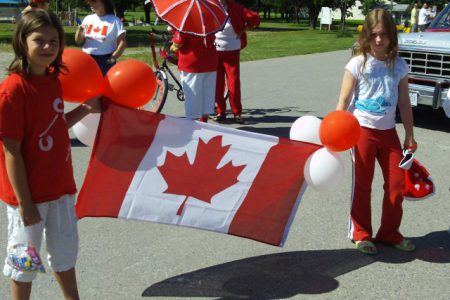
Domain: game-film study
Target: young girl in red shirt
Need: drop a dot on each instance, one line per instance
(36, 179)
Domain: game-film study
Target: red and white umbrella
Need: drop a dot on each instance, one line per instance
(197, 17)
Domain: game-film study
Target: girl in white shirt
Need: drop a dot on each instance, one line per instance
(375, 82)
(102, 34)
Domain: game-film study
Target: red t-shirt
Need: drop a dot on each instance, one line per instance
(197, 54)
(32, 112)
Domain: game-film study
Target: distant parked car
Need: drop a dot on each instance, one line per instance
(428, 56)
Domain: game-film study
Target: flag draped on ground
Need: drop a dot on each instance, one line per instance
(152, 167)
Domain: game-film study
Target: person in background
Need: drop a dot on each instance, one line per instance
(425, 16)
(102, 34)
(414, 17)
(34, 5)
(36, 175)
(375, 82)
(37, 4)
(147, 10)
(197, 63)
(229, 43)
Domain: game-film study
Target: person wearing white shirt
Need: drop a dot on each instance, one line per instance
(102, 34)
(425, 16)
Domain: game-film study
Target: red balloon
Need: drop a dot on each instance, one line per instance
(339, 131)
(130, 83)
(83, 78)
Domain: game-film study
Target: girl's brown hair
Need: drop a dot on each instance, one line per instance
(375, 17)
(29, 23)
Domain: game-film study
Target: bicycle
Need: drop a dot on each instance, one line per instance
(163, 72)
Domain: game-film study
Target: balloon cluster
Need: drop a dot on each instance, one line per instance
(130, 83)
(337, 132)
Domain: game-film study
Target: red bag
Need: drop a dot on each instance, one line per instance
(252, 18)
(418, 183)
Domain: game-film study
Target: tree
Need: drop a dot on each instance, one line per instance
(343, 6)
(121, 5)
(314, 7)
(368, 5)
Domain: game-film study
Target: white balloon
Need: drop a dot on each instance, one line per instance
(306, 129)
(323, 169)
(86, 129)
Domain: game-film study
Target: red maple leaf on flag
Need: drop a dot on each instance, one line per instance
(202, 179)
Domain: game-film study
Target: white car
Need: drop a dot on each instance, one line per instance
(428, 56)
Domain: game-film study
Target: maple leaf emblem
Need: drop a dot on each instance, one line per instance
(202, 179)
(97, 29)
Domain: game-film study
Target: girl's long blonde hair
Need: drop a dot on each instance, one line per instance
(375, 17)
(30, 22)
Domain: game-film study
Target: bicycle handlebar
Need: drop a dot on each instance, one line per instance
(163, 34)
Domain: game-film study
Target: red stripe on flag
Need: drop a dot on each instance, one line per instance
(265, 211)
(126, 134)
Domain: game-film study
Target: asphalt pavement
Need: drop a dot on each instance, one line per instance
(121, 259)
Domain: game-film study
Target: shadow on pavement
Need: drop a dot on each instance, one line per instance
(267, 116)
(271, 276)
(433, 247)
(271, 116)
(275, 131)
(428, 118)
(261, 112)
(284, 275)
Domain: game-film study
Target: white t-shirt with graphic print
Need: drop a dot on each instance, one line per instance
(376, 93)
(101, 34)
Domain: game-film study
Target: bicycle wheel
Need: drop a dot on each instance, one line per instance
(156, 104)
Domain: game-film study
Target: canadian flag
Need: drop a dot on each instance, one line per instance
(152, 167)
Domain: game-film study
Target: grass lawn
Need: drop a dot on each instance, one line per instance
(274, 38)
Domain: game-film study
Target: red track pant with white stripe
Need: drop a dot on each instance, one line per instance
(383, 146)
(229, 64)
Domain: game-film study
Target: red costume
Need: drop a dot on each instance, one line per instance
(197, 55)
(197, 62)
(240, 19)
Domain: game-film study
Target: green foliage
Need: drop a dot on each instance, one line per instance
(345, 33)
(121, 5)
(368, 5)
(269, 43)
(273, 39)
